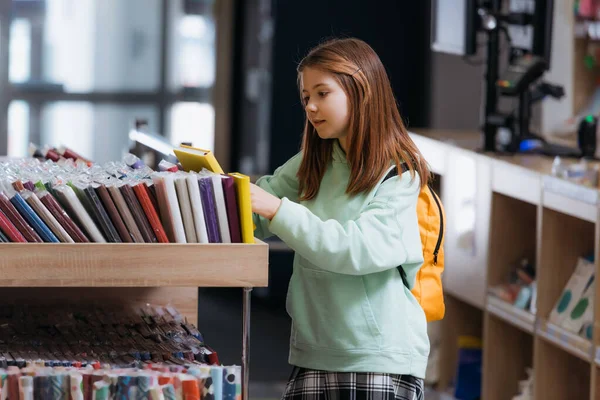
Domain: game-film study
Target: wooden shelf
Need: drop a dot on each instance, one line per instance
(507, 354)
(566, 340)
(133, 265)
(559, 375)
(570, 198)
(507, 312)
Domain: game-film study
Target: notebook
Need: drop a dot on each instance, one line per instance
(195, 159)
(209, 208)
(72, 204)
(125, 213)
(62, 216)
(186, 208)
(242, 188)
(170, 212)
(46, 216)
(197, 210)
(221, 208)
(141, 191)
(232, 208)
(18, 221)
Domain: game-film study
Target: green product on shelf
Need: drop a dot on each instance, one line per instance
(573, 292)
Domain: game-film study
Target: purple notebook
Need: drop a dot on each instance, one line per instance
(232, 209)
(210, 211)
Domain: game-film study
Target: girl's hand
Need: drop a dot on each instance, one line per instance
(264, 203)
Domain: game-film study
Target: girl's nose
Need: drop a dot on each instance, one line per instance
(311, 107)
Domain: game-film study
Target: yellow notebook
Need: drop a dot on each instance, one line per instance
(242, 188)
(194, 159)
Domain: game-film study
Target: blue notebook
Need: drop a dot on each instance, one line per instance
(33, 219)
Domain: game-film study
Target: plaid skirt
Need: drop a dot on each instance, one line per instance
(307, 384)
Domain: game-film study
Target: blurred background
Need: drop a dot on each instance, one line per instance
(106, 77)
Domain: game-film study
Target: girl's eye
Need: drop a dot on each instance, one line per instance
(323, 94)
(305, 100)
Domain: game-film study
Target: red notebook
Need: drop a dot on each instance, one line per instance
(10, 230)
(141, 192)
(11, 212)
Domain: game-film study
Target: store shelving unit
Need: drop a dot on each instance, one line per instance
(133, 274)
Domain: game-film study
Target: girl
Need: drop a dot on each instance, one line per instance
(357, 331)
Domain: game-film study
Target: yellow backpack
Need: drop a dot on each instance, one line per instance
(428, 284)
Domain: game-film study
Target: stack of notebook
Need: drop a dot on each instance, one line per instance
(70, 201)
(82, 336)
(153, 383)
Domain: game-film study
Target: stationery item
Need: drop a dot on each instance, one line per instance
(583, 310)
(209, 208)
(170, 211)
(196, 159)
(152, 194)
(60, 386)
(138, 213)
(242, 187)
(126, 214)
(18, 221)
(142, 389)
(190, 389)
(579, 280)
(3, 238)
(169, 392)
(141, 191)
(101, 391)
(62, 217)
(33, 219)
(216, 373)
(156, 393)
(124, 385)
(166, 166)
(221, 208)
(76, 381)
(73, 205)
(36, 204)
(232, 208)
(231, 381)
(186, 208)
(197, 210)
(10, 230)
(18, 185)
(51, 154)
(88, 198)
(26, 388)
(113, 213)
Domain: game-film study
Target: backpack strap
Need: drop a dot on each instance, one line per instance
(391, 174)
(394, 171)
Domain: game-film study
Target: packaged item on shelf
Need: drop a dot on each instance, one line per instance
(468, 375)
(582, 172)
(63, 199)
(574, 310)
(519, 286)
(83, 335)
(526, 387)
(153, 382)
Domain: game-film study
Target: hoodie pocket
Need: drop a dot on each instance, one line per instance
(332, 311)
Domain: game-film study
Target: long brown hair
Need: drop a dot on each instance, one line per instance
(376, 135)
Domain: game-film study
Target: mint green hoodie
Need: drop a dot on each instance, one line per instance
(350, 310)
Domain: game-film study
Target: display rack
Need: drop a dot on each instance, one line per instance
(134, 273)
(518, 210)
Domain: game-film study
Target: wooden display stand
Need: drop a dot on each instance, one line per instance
(132, 274)
(520, 211)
